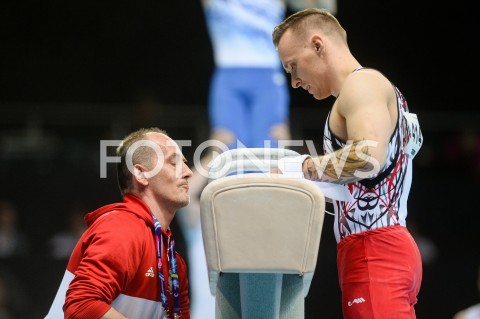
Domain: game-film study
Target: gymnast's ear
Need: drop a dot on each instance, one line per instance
(317, 43)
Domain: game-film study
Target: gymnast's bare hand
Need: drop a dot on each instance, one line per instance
(309, 169)
(276, 170)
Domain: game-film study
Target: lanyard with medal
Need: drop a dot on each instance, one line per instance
(173, 273)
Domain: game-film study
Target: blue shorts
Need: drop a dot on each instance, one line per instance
(249, 102)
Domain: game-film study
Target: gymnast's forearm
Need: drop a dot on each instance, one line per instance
(352, 163)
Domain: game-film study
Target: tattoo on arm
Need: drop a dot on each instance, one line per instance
(348, 164)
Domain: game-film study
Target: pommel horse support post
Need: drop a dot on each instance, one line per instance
(261, 234)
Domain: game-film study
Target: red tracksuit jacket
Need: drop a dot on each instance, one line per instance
(115, 265)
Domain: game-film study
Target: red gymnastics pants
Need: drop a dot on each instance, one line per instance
(380, 273)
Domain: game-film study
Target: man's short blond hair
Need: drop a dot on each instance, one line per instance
(143, 155)
(310, 18)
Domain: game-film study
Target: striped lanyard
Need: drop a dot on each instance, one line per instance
(173, 283)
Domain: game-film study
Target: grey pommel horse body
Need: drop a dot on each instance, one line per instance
(261, 235)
